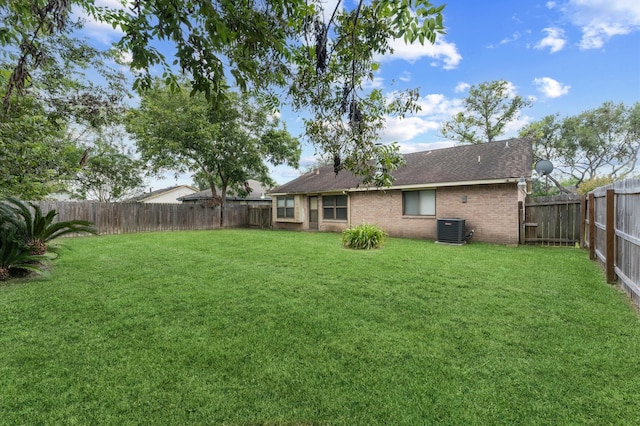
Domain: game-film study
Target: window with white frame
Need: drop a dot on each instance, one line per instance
(285, 207)
(419, 203)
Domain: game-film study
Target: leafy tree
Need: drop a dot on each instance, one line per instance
(50, 106)
(35, 157)
(226, 144)
(604, 141)
(46, 61)
(319, 59)
(111, 173)
(489, 107)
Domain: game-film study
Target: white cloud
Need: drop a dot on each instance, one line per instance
(406, 129)
(438, 107)
(462, 87)
(435, 108)
(405, 76)
(600, 20)
(408, 148)
(444, 54)
(550, 4)
(510, 90)
(511, 39)
(114, 4)
(328, 7)
(555, 40)
(512, 128)
(97, 31)
(125, 57)
(550, 87)
(376, 83)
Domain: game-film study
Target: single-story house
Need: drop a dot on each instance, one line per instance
(477, 183)
(257, 195)
(165, 195)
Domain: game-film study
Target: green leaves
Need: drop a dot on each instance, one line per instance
(111, 172)
(24, 234)
(600, 142)
(489, 107)
(320, 59)
(227, 143)
(363, 237)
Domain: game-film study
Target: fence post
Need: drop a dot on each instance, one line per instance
(611, 233)
(583, 218)
(521, 215)
(592, 227)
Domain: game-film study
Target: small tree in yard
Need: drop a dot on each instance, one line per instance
(225, 144)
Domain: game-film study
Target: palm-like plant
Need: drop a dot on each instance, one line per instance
(14, 255)
(37, 229)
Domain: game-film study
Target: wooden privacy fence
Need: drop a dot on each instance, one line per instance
(260, 216)
(121, 218)
(553, 220)
(613, 231)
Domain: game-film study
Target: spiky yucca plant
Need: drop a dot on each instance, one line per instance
(37, 229)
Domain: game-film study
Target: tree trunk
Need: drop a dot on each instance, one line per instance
(223, 204)
(215, 201)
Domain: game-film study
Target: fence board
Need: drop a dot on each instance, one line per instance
(624, 229)
(121, 218)
(553, 220)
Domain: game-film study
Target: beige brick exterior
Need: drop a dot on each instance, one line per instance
(490, 210)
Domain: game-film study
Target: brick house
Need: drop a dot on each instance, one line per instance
(477, 183)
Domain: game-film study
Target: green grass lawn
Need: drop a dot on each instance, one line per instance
(245, 327)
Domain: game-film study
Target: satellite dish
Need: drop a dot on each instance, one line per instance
(544, 167)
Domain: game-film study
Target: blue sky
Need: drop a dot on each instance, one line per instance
(567, 56)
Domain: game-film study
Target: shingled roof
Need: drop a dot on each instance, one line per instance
(491, 161)
(258, 192)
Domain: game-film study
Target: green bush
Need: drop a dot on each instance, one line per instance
(364, 237)
(15, 258)
(25, 233)
(37, 229)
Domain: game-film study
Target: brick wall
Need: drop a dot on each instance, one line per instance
(491, 210)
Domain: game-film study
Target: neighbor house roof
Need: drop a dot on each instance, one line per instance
(258, 192)
(506, 160)
(158, 193)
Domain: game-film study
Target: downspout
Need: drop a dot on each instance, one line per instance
(349, 207)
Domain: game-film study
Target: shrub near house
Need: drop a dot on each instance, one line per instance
(364, 236)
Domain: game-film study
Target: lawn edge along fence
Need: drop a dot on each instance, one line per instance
(606, 222)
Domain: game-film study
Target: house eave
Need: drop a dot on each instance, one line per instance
(404, 187)
(440, 184)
